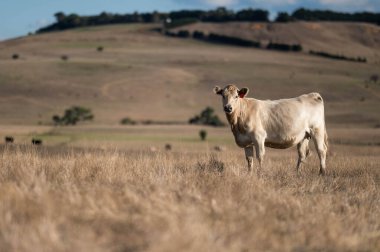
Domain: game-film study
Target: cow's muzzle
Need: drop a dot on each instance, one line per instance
(228, 109)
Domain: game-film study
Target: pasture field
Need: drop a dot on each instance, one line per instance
(106, 200)
(99, 192)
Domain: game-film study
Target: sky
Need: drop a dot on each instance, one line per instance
(19, 17)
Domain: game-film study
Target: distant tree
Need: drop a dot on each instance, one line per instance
(105, 18)
(147, 17)
(283, 17)
(128, 121)
(198, 35)
(252, 15)
(327, 15)
(284, 47)
(170, 34)
(183, 34)
(296, 48)
(56, 119)
(72, 21)
(338, 56)
(207, 117)
(182, 14)
(156, 17)
(60, 16)
(180, 22)
(374, 78)
(136, 17)
(233, 40)
(73, 115)
(220, 14)
(203, 134)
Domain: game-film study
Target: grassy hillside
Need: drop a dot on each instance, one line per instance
(144, 75)
(349, 39)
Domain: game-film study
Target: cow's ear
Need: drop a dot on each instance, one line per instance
(218, 90)
(243, 92)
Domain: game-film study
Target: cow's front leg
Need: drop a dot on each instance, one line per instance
(249, 156)
(260, 152)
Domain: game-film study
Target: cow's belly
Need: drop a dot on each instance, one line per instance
(284, 141)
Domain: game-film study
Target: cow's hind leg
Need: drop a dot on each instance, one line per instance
(249, 156)
(303, 152)
(319, 141)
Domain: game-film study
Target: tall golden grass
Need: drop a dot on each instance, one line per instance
(57, 199)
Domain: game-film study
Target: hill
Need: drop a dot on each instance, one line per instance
(146, 76)
(346, 38)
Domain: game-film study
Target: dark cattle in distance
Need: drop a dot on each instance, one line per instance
(168, 147)
(9, 139)
(36, 141)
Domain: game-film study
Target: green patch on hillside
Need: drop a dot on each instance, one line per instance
(90, 67)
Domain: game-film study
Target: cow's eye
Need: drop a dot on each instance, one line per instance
(236, 97)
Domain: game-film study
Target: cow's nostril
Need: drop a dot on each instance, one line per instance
(227, 108)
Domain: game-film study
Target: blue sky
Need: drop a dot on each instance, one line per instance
(18, 17)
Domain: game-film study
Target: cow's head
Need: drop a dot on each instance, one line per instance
(231, 95)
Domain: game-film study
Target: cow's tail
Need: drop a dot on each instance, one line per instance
(326, 142)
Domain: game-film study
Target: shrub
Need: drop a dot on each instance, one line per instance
(15, 56)
(296, 48)
(284, 47)
(198, 35)
(100, 48)
(170, 34)
(337, 56)
(73, 115)
(207, 117)
(168, 147)
(233, 40)
(56, 119)
(183, 34)
(203, 134)
(128, 121)
(374, 78)
(147, 122)
(64, 57)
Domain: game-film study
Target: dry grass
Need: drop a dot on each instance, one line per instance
(57, 199)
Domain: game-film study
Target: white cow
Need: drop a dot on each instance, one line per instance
(276, 124)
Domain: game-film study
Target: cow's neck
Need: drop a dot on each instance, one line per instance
(237, 117)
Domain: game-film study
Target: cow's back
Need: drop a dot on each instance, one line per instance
(284, 119)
